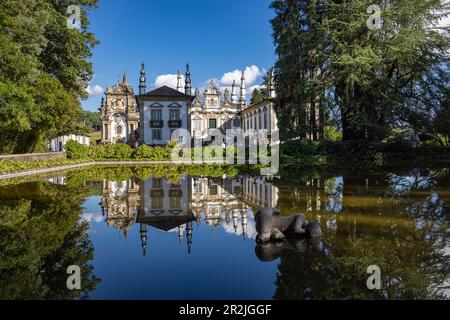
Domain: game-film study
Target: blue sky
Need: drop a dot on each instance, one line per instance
(216, 37)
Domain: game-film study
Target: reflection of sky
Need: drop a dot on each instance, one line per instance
(251, 229)
(92, 213)
(221, 265)
(403, 184)
(92, 217)
(335, 192)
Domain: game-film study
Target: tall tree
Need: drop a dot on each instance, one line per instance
(44, 70)
(256, 96)
(378, 78)
(299, 77)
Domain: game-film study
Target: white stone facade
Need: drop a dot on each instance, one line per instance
(119, 114)
(213, 112)
(151, 117)
(58, 144)
(163, 111)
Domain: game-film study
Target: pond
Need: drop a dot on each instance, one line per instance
(178, 236)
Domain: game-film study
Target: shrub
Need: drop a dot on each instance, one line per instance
(159, 154)
(302, 147)
(143, 152)
(97, 152)
(122, 151)
(76, 151)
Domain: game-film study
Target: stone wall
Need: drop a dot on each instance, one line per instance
(34, 156)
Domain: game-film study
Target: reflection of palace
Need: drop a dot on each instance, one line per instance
(174, 206)
(120, 203)
(165, 206)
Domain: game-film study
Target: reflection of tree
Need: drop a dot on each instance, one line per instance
(403, 233)
(41, 236)
(412, 263)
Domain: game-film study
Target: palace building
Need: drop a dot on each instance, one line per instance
(152, 117)
(119, 114)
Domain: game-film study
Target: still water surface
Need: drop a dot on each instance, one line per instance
(194, 237)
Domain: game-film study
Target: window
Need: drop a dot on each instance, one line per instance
(266, 126)
(119, 129)
(157, 202)
(259, 120)
(198, 125)
(156, 115)
(157, 183)
(213, 190)
(157, 134)
(212, 123)
(175, 196)
(175, 202)
(174, 114)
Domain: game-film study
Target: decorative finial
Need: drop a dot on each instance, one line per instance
(143, 232)
(189, 236)
(225, 95)
(142, 81)
(188, 82)
(243, 89)
(179, 82)
(234, 99)
(272, 92)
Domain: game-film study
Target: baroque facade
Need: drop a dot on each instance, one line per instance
(120, 114)
(177, 206)
(151, 117)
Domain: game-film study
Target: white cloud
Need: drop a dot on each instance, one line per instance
(251, 227)
(251, 74)
(169, 80)
(95, 90)
(256, 86)
(92, 217)
(444, 22)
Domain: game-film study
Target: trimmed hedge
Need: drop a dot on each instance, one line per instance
(119, 151)
(11, 166)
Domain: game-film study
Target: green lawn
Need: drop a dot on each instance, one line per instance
(97, 135)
